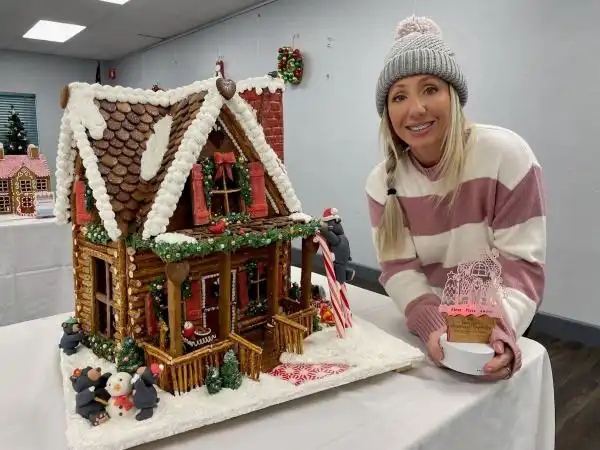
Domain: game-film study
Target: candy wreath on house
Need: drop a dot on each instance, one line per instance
(183, 216)
(22, 178)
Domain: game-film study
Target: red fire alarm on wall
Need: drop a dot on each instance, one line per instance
(112, 73)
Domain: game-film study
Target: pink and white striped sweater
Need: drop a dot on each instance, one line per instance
(500, 204)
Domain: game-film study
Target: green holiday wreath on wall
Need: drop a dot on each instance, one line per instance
(290, 64)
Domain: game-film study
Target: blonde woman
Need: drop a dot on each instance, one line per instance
(445, 190)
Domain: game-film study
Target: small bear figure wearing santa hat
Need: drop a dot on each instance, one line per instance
(333, 232)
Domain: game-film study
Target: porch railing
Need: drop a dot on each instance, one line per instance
(289, 335)
(305, 318)
(249, 356)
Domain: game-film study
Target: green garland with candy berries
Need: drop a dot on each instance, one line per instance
(290, 64)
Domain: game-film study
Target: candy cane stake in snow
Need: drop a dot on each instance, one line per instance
(341, 307)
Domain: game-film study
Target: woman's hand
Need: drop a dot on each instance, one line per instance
(500, 366)
(434, 349)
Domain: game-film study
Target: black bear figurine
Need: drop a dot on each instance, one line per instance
(333, 232)
(92, 397)
(145, 397)
(72, 336)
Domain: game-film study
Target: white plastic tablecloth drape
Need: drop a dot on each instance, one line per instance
(427, 408)
(36, 275)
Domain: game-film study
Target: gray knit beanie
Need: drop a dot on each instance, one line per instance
(419, 50)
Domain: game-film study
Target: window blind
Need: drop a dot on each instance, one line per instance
(25, 106)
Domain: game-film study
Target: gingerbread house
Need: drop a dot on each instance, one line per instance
(21, 178)
(182, 217)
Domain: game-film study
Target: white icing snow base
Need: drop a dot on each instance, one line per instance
(367, 349)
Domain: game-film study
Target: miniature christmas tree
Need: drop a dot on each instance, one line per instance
(230, 372)
(16, 136)
(213, 380)
(130, 357)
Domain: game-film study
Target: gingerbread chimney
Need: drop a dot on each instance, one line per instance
(269, 112)
(1, 151)
(33, 152)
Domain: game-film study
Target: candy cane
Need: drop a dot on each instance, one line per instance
(340, 312)
(346, 304)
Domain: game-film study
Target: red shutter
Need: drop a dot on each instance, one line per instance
(201, 213)
(193, 305)
(259, 207)
(242, 281)
(82, 215)
(151, 321)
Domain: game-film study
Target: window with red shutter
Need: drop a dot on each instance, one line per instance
(82, 215)
(201, 212)
(193, 306)
(259, 207)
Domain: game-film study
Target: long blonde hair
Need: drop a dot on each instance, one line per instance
(390, 234)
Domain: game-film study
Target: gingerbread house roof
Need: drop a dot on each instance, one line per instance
(138, 147)
(11, 164)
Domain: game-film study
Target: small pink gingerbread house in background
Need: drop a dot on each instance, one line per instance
(21, 178)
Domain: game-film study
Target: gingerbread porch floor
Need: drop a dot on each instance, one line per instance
(366, 351)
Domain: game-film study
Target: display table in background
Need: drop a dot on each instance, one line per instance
(36, 275)
(425, 408)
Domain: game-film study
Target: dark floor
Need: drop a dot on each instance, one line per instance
(576, 373)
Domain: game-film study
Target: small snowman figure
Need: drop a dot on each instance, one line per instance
(120, 387)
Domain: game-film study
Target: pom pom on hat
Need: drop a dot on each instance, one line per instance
(415, 24)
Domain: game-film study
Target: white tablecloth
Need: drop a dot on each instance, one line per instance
(36, 276)
(427, 408)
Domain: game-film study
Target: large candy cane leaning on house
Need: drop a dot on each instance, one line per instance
(341, 307)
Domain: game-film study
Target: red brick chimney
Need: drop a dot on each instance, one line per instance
(269, 112)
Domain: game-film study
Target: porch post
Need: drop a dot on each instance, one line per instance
(308, 252)
(224, 295)
(176, 274)
(273, 280)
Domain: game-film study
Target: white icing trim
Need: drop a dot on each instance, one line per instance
(192, 144)
(272, 202)
(260, 83)
(156, 148)
(243, 114)
(65, 169)
(301, 217)
(175, 238)
(169, 97)
(235, 144)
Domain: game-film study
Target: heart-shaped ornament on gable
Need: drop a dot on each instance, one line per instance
(226, 88)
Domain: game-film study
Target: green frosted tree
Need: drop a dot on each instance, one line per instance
(16, 136)
(230, 372)
(213, 380)
(130, 357)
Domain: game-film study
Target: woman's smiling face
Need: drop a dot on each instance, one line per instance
(419, 111)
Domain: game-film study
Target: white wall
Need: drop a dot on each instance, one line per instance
(531, 66)
(43, 75)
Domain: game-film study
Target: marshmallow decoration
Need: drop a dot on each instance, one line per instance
(156, 148)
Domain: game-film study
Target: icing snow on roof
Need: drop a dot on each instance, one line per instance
(11, 164)
(82, 114)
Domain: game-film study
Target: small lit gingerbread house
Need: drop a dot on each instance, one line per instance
(472, 299)
(21, 178)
